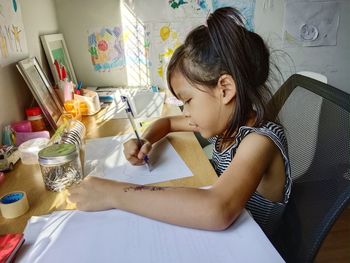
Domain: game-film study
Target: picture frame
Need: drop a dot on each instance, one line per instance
(55, 49)
(41, 89)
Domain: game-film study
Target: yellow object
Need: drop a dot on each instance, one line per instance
(164, 32)
(168, 53)
(160, 71)
(14, 204)
(73, 108)
(89, 102)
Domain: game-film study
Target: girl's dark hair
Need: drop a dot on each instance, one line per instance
(225, 46)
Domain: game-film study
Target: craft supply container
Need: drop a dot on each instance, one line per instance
(60, 166)
(29, 150)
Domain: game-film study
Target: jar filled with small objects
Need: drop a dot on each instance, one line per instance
(60, 166)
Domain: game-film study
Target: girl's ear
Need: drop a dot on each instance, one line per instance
(227, 88)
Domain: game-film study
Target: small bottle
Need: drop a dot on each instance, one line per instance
(36, 119)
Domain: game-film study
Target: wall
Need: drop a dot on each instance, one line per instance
(39, 17)
(77, 16)
(331, 61)
(75, 19)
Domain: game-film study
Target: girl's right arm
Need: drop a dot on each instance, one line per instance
(156, 131)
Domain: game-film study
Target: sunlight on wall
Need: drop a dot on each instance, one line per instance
(134, 46)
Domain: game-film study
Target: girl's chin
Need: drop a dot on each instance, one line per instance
(204, 134)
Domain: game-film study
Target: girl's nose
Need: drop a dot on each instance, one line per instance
(186, 112)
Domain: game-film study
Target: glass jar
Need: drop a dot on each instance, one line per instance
(60, 166)
(36, 119)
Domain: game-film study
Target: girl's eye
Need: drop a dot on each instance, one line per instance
(188, 101)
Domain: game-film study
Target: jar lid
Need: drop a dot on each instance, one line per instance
(33, 111)
(58, 154)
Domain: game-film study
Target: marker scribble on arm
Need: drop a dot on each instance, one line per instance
(144, 188)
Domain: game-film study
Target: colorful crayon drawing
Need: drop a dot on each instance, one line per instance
(13, 46)
(59, 55)
(193, 4)
(246, 7)
(16, 36)
(190, 8)
(3, 44)
(106, 49)
(164, 39)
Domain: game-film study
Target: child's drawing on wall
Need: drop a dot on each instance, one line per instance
(13, 46)
(190, 7)
(16, 36)
(3, 44)
(106, 49)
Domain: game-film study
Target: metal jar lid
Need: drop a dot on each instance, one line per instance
(58, 154)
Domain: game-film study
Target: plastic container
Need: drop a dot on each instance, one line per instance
(29, 150)
(22, 126)
(22, 137)
(36, 119)
(60, 166)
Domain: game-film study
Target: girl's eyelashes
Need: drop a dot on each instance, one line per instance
(187, 101)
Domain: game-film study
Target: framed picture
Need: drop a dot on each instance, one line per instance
(41, 89)
(58, 57)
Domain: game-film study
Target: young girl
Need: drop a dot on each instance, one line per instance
(219, 73)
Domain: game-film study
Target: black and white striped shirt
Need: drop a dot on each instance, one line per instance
(265, 212)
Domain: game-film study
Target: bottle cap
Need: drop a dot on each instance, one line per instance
(33, 111)
(58, 154)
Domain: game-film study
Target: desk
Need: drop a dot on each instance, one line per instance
(28, 177)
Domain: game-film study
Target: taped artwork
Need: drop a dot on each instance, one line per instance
(164, 38)
(189, 8)
(311, 24)
(13, 45)
(106, 49)
(246, 7)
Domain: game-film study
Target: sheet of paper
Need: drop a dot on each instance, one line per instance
(109, 162)
(309, 23)
(145, 104)
(117, 236)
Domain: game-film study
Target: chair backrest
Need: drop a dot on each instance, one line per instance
(316, 117)
(314, 75)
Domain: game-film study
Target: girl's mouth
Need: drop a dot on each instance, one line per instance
(194, 126)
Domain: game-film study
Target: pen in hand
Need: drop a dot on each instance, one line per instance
(131, 116)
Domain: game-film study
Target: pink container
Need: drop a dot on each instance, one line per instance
(22, 126)
(25, 136)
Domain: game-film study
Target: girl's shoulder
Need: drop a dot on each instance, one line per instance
(270, 129)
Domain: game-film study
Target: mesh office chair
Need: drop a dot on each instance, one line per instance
(317, 124)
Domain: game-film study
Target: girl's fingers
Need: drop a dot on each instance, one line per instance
(134, 160)
(144, 150)
(134, 154)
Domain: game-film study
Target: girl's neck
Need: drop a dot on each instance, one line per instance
(227, 142)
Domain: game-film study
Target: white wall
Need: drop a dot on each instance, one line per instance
(331, 61)
(75, 18)
(39, 17)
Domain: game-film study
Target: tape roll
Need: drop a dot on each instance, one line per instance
(14, 204)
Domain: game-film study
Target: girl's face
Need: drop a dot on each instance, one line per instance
(206, 111)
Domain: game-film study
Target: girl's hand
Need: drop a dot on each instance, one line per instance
(134, 154)
(92, 194)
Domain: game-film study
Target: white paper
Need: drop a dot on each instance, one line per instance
(13, 44)
(117, 236)
(311, 23)
(144, 103)
(105, 156)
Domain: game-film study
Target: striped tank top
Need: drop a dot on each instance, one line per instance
(265, 212)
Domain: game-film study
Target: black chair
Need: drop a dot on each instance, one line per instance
(317, 124)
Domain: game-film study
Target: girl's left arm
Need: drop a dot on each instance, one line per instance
(191, 207)
(213, 209)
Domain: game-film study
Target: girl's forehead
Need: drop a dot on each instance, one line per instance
(180, 84)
